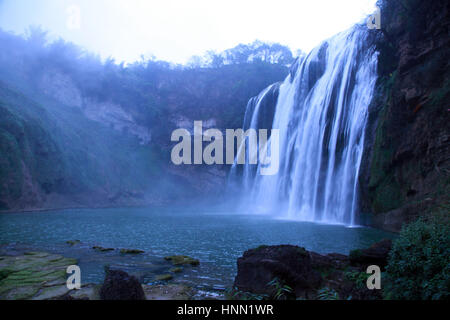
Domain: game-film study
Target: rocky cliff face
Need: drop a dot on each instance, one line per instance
(78, 132)
(407, 162)
(62, 88)
(55, 157)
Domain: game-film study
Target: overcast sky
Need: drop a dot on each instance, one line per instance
(174, 30)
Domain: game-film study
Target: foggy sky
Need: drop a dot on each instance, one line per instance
(174, 30)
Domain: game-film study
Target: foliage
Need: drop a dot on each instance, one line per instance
(419, 263)
(358, 278)
(255, 52)
(281, 290)
(386, 193)
(235, 294)
(327, 294)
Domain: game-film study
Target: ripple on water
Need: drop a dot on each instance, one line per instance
(217, 240)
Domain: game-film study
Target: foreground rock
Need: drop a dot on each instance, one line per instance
(288, 272)
(182, 260)
(131, 251)
(88, 291)
(102, 249)
(33, 275)
(73, 242)
(168, 292)
(164, 277)
(42, 276)
(377, 254)
(119, 285)
(290, 265)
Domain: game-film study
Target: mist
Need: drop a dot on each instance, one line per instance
(125, 113)
(176, 30)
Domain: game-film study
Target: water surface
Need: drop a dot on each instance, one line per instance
(217, 239)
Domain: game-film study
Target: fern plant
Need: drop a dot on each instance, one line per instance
(327, 294)
(281, 291)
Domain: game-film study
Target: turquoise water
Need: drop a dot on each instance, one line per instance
(217, 239)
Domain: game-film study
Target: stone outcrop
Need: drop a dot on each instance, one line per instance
(168, 292)
(291, 265)
(180, 260)
(405, 171)
(119, 285)
(377, 254)
(308, 275)
(62, 88)
(33, 276)
(42, 276)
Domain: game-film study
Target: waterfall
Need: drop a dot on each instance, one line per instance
(321, 111)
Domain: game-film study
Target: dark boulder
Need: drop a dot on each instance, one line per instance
(328, 262)
(309, 273)
(119, 285)
(291, 265)
(377, 254)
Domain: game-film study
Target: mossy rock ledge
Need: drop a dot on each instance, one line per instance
(73, 242)
(131, 251)
(102, 249)
(182, 260)
(176, 270)
(34, 275)
(164, 277)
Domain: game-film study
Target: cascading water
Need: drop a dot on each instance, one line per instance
(321, 113)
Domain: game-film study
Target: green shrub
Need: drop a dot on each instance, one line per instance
(419, 263)
(235, 294)
(281, 290)
(358, 278)
(327, 294)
